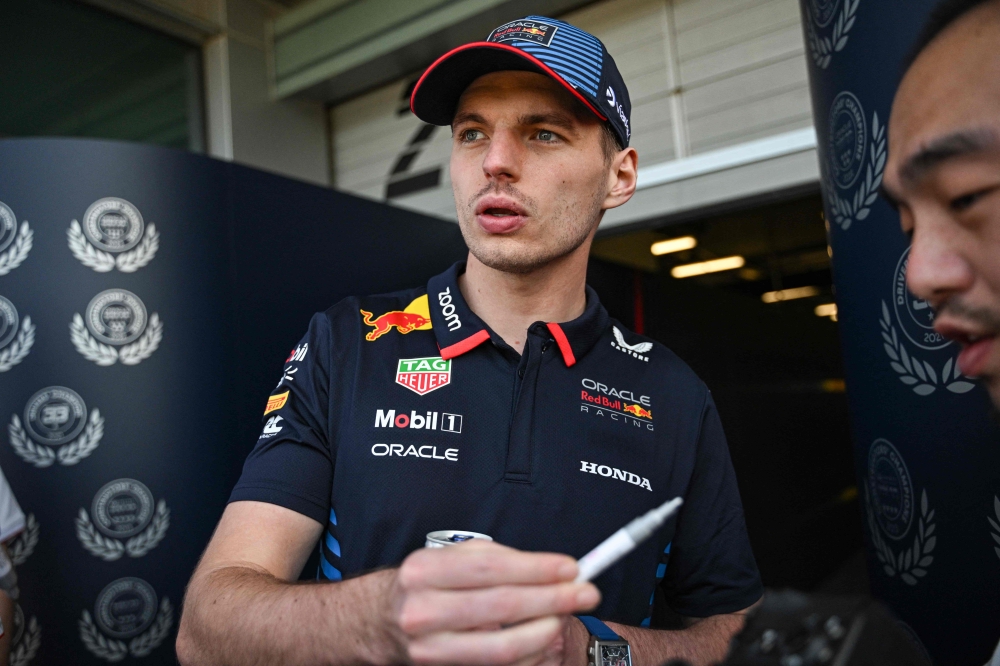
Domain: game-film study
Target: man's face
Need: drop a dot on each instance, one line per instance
(944, 174)
(528, 171)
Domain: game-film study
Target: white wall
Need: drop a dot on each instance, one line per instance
(703, 76)
(245, 123)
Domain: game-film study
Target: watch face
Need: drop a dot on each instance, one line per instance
(614, 655)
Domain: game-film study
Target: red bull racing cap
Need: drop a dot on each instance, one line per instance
(575, 59)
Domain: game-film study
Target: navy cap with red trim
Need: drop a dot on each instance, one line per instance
(574, 58)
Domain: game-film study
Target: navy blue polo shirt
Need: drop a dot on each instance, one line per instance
(403, 414)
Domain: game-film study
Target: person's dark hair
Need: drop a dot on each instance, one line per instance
(609, 143)
(943, 15)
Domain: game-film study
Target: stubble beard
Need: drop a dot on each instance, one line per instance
(572, 226)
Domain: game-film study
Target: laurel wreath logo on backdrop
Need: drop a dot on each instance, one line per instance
(911, 563)
(25, 647)
(115, 650)
(15, 242)
(105, 355)
(995, 524)
(113, 235)
(40, 455)
(115, 329)
(822, 47)
(915, 373)
(15, 255)
(857, 207)
(17, 335)
(110, 549)
(23, 546)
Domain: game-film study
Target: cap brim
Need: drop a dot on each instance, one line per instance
(436, 94)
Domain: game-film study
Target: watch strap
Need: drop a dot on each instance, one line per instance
(598, 629)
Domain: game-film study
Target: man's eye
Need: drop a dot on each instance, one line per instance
(965, 202)
(471, 135)
(546, 135)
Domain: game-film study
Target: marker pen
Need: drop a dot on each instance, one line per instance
(621, 543)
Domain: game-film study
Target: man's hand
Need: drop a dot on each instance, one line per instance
(483, 603)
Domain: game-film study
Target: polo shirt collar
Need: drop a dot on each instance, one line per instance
(458, 329)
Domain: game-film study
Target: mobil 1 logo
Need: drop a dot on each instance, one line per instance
(388, 418)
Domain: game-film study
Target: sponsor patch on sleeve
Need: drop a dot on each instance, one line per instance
(276, 402)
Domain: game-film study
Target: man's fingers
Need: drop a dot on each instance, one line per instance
(431, 610)
(483, 564)
(476, 648)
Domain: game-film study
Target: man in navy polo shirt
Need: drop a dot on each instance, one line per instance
(501, 398)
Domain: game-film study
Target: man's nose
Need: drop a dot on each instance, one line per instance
(502, 160)
(936, 269)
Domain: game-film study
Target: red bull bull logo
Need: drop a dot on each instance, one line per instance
(637, 410)
(415, 317)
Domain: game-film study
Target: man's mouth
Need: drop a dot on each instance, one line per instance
(977, 346)
(500, 215)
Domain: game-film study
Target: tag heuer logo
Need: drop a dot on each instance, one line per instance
(423, 375)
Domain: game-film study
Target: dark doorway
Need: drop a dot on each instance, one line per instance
(763, 336)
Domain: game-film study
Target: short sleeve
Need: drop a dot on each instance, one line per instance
(11, 516)
(711, 568)
(292, 463)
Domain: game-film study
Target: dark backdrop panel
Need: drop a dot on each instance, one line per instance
(244, 259)
(926, 452)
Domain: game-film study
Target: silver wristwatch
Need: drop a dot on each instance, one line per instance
(605, 647)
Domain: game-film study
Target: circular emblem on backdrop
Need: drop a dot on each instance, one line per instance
(890, 489)
(15, 244)
(113, 224)
(825, 40)
(823, 11)
(916, 319)
(55, 415)
(126, 610)
(25, 640)
(849, 154)
(9, 321)
(116, 316)
(126, 607)
(890, 509)
(8, 226)
(113, 235)
(126, 519)
(16, 336)
(122, 508)
(115, 328)
(914, 315)
(56, 427)
(848, 137)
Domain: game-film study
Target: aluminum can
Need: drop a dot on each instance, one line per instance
(443, 538)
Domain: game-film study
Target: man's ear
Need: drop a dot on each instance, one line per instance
(622, 176)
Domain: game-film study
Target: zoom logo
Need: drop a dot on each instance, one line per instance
(388, 418)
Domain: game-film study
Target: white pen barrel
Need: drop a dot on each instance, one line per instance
(607, 553)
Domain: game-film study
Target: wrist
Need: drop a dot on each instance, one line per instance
(384, 643)
(577, 642)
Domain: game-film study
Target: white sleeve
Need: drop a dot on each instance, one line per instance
(11, 516)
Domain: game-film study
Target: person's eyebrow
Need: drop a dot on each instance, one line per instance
(948, 147)
(467, 117)
(557, 119)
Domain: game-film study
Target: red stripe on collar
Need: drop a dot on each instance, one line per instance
(462, 346)
(563, 342)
